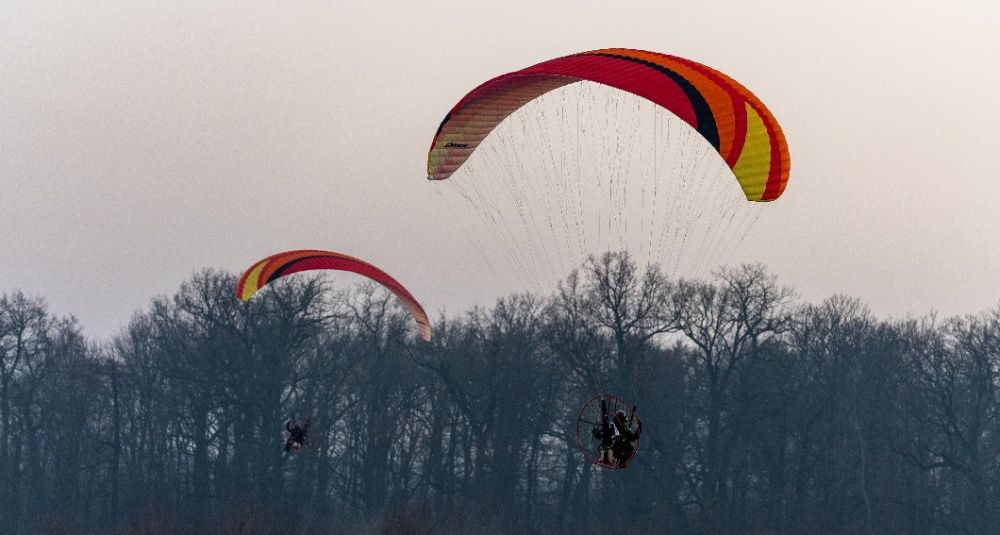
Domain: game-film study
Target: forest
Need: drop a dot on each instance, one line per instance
(762, 414)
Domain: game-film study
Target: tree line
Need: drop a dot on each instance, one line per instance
(761, 413)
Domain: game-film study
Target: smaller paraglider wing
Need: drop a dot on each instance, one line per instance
(280, 265)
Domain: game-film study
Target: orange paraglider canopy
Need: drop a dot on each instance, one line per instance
(730, 118)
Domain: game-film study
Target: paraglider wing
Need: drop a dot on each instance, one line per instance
(734, 121)
(282, 264)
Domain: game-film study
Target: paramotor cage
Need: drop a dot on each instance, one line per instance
(597, 438)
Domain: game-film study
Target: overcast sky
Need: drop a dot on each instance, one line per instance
(140, 141)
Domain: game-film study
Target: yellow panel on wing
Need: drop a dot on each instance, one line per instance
(252, 281)
(754, 164)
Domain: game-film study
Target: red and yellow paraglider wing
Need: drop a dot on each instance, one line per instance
(282, 264)
(725, 113)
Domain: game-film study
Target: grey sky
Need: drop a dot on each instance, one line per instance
(142, 140)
